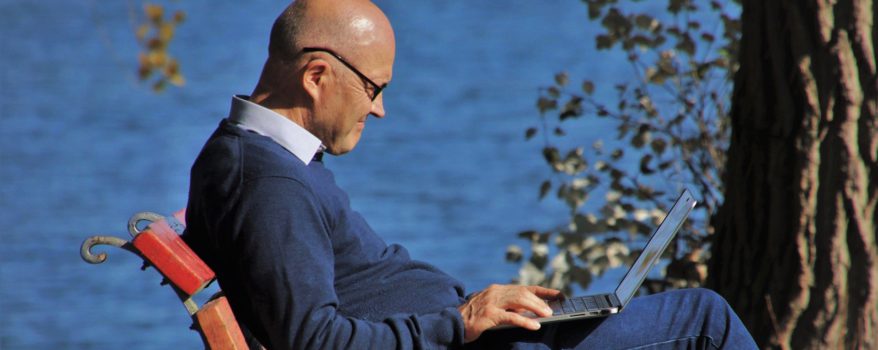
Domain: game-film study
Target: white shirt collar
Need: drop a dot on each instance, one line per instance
(291, 136)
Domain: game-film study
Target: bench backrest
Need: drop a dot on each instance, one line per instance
(160, 245)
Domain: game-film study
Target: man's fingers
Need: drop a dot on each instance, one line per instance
(532, 303)
(545, 293)
(511, 318)
(520, 298)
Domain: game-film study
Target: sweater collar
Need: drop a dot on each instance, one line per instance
(291, 136)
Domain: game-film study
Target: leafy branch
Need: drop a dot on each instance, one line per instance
(673, 120)
(154, 35)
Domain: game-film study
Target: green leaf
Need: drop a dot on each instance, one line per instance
(647, 106)
(179, 16)
(642, 42)
(531, 274)
(544, 188)
(166, 32)
(645, 193)
(677, 120)
(574, 198)
(588, 87)
(658, 41)
(707, 37)
(552, 157)
(153, 12)
(686, 44)
(658, 146)
(572, 108)
(632, 56)
(654, 76)
(598, 146)
(529, 235)
(623, 131)
(573, 162)
(581, 276)
(561, 79)
(594, 9)
(604, 41)
(641, 137)
(155, 45)
(644, 165)
(545, 104)
(580, 183)
(529, 133)
(176, 79)
(514, 254)
(616, 23)
(674, 6)
(645, 22)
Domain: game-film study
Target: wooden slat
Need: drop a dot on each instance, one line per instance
(165, 250)
(219, 328)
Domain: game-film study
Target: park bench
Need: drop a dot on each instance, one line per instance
(160, 246)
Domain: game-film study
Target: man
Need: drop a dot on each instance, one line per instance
(301, 269)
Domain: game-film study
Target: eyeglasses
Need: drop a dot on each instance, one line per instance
(376, 89)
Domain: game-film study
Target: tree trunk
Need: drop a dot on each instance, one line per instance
(795, 247)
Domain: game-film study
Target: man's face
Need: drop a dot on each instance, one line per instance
(346, 109)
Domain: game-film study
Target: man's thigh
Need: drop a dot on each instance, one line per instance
(691, 318)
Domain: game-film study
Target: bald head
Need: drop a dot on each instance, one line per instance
(348, 27)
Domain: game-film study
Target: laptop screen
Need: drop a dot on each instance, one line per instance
(654, 248)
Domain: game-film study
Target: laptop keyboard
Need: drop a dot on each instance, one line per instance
(579, 304)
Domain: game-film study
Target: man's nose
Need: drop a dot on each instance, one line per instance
(378, 106)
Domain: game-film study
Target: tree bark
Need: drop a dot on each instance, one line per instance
(795, 247)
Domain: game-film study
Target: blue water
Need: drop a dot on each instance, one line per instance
(83, 146)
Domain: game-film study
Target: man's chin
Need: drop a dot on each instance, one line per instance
(338, 152)
(346, 147)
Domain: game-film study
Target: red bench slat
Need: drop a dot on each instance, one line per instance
(165, 250)
(219, 328)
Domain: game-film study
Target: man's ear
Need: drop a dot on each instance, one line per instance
(315, 77)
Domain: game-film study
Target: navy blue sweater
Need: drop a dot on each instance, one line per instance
(302, 269)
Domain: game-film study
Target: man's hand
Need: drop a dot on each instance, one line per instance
(503, 305)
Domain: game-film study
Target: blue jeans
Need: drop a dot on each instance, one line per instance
(680, 319)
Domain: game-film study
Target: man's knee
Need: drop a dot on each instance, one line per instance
(708, 300)
(702, 297)
(711, 296)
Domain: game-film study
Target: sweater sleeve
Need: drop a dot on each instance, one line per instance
(287, 264)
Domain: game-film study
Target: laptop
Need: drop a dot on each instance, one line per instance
(602, 305)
